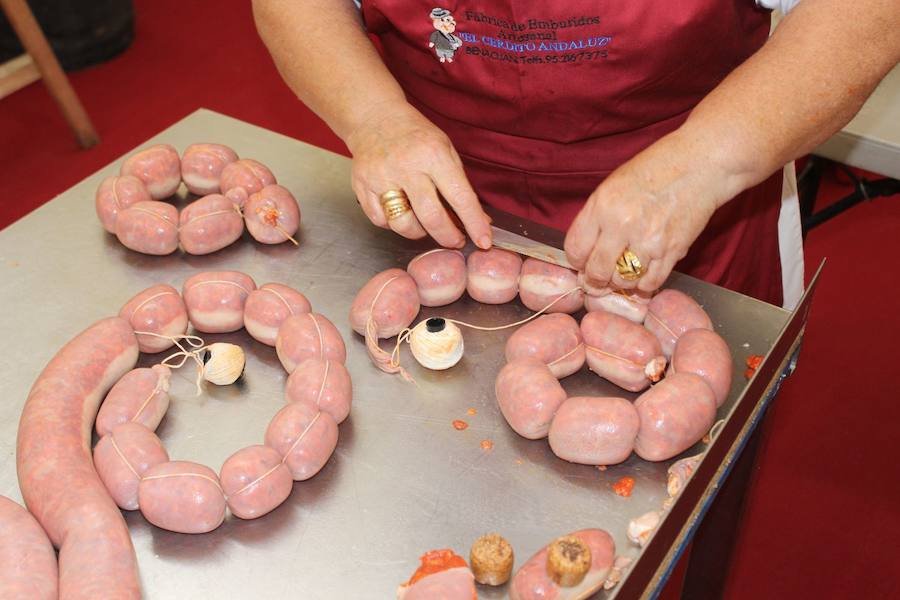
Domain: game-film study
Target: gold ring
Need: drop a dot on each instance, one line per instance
(394, 204)
(629, 266)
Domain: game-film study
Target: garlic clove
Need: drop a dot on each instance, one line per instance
(641, 528)
(436, 343)
(223, 364)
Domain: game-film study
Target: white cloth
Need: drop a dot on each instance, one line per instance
(782, 6)
(790, 240)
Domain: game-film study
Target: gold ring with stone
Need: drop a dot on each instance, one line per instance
(395, 204)
(629, 266)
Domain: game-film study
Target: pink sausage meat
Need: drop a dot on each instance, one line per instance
(540, 283)
(323, 384)
(215, 300)
(493, 275)
(529, 395)
(255, 481)
(675, 414)
(209, 224)
(670, 314)
(158, 310)
(246, 173)
(457, 583)
(56, 472)
(182, 496)
(118, 193)
(705, 353)
(149, 227)
(268, 307)
(531, 581)
(272, 215)
(27, 560)
(440, 276)
(158, 167)
(630, 304)
(555, 340)
(304, 436)
(392, 299)
(202, 164)
(121, 459)
(308, 335)
(594, 431)
(621, 351)
(140, 396)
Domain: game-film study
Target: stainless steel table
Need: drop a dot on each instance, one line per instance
(402, 480)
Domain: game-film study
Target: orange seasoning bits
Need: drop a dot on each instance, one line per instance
(435, 561)
(460, 425)
(624, 486)
(753, 361)
(486, 444)
(472, 411)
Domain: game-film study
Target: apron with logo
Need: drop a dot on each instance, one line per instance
(543, 100)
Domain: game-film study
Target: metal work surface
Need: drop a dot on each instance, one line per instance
(402, 480)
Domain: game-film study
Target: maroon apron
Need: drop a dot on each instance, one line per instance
(543, 100)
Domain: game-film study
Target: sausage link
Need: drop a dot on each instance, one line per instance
(158, 167)
(268, 307)
(182, 496)
(209, 224)
(56, 472)
(621, 351)
(149, 227)
(118, 193)
(675, 414)
(594, 431)
(555, 340)
(528, 394)
(492, 276)
(631, 304)
(393, 300)
(440, 276)
(27, 561)
(215, 300)
(308, 335)
(159, 310)
(304, 436)
(245, 173)
(322, 383)
(272, 215)
(671, 313)
(141, 395)
(123, 456)
(704, 353)
(255, 481)
(540, 283)
(202, 164)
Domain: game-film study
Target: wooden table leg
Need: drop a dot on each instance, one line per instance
(32, 38)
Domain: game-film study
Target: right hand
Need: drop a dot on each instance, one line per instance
(397, 148)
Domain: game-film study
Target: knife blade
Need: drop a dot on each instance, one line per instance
(514, 242)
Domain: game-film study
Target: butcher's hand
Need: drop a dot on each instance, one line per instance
(656, 205)
(397, 148)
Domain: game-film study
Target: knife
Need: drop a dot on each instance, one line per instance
(527, 237)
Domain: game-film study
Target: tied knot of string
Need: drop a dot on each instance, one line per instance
(172, 361)
(269, 214)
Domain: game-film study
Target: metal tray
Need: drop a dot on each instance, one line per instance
(402, 480)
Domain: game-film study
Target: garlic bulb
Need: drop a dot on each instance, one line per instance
(437, 344)
(223, 363)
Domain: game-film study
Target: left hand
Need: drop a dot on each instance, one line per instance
(656, 205)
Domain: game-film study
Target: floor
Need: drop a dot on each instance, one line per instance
(823, 518)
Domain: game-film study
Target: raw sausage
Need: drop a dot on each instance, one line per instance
(255, 481)
(457, 583)
(202, 164)
(540, 283)
(555, 340)
(324, 384)
(440, 276)
(594, 431)
(159, 310)
(675, 414)
(308, 335)
(123, 456)
(245, 173)
(209, 224)
(142, 396)
(631, 304)
(528, 394)
(267, 308)
(215, 300)
(392, 300)
(182, 496)
(532, 582)
(149, 227)
(705, 353)
(158, 167)
(304, 436)
(27, 560)
(670, 314)
(272, 215)
(238, 196)
(621, 351)
(118, 193)
(56, 473)
(493, 275)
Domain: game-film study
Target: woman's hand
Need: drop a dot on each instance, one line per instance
(396, 148)
(656, 205)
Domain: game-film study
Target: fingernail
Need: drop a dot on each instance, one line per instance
(484, 242)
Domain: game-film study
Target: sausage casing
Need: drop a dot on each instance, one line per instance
(555, 340)
(594, 431)
(528, 394)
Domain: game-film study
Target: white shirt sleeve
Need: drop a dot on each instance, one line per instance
(782, 6)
